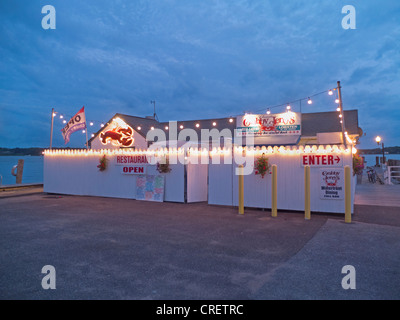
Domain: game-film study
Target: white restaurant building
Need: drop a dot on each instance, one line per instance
(288, 140)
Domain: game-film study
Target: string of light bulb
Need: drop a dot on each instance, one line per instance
(290, 103)
(94, 123)
(257, 150)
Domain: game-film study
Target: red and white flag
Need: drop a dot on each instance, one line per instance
(77, 122)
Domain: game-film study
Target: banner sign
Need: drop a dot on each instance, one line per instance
(322, 160)
(331, 184)
(287, 123)
(77, 122)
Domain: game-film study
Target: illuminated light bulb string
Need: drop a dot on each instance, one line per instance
(331, 92)
(64, 118)
(289, 105)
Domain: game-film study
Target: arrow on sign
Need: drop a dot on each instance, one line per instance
(337, 159)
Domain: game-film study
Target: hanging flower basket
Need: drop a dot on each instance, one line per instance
(163, 165)
(103, 163)
(261, 166)
(358, 165)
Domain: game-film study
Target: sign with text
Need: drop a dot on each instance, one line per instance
(129, 160)
(133, 169)
(322, 160)
(331, 184)
(77, 122)
(287, 123)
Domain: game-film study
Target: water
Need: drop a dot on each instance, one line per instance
(33, 169)
(370, 158)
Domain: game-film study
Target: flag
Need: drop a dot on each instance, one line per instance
(77, 122)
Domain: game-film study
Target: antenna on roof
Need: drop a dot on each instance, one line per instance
(154, 115)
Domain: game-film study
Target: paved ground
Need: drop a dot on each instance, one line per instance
(124, 249)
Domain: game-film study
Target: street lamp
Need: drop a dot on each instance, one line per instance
(378, 140)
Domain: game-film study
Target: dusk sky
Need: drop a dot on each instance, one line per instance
(197, 60)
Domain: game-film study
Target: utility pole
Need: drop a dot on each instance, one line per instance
(154, 114)
(51, 129)
(341, 113)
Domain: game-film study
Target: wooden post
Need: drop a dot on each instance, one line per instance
(339, 89)
(20, 171)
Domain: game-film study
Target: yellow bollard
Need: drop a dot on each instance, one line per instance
(274, 198)
(241, 190)
(307, 197)
(347, 194)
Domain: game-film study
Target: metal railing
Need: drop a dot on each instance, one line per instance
(392, 174)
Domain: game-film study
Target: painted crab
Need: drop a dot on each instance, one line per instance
(118, 136)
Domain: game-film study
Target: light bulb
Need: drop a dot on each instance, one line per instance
(230, 120)
(214, 124)
(330, 92)
(268, 111)
(337, 100)
(309, 101)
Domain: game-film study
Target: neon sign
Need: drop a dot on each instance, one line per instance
(118, 134)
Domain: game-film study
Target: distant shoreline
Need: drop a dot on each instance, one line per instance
(39, 151)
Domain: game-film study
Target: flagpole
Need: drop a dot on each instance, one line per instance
(51, 130)
(87, 141)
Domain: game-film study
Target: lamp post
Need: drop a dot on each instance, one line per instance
(378, 140)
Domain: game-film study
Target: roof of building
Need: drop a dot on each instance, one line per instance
(317, 122)
(312, 123)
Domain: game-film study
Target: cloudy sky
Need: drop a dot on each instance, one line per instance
(196, 59)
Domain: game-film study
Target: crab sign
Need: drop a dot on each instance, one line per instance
(119, 134)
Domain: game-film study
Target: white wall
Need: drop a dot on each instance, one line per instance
(197, 182)
(223, 186)
(79, 175)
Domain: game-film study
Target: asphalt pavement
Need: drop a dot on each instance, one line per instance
(104, 248)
